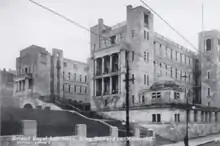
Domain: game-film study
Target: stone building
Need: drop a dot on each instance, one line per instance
(152, 57)
(41, 74)
(6, 88)
(209, 46)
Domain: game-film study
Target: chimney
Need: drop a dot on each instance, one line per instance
(129, 8)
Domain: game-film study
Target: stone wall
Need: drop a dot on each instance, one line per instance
(80, 139)
(176, 132)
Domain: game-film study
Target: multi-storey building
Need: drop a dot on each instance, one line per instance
(6, 88)
(151, 57)
(41, 74)
(209, 48)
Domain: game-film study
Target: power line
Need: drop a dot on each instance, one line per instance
(62, 16)
(83, 27)
(177, 32)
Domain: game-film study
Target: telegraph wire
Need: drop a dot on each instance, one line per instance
(177, 32)
(83, 27)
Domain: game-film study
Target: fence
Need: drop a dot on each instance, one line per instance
(29, 138)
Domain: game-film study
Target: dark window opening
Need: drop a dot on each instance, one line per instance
(113, 40)
(208, 44)
(114, 84)
(132, 99)
(146, 20)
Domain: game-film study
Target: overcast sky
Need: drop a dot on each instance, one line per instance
(23, 23)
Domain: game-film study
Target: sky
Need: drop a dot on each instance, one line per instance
(23, 23)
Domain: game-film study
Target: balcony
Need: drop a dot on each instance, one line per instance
(23, 77)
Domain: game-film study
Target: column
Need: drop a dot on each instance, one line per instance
(102, 86)
(110, 85)
(191, 116)
(198, 116)
(95, 67)
(81, 130)
(26, 86)
(213, 117)
(29, 127)
(110, 68)
(103, 64)
(119, 69)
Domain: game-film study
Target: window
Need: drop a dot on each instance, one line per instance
(69, 76)
(144, 56)
(64, 64)
(156, 95)
(185, 59)
(148, 80)
(85, 78)
(113, 40)
(177, 117)
(144, 79)
(147, 35)
(176, 56)
(80, 78)
(160, 69)
(208, 74)
(166, 52)
(176, 73)
(181, 75)
(195, 116)
(132, 55)
(156, 118)
(166, 69)
(26, 70)
(180, 58)
(132, 78)
(80, 89)
(176, 95)
(75, 76)
(171, 54)
(132, 99)
(171, 72)
(148, 56)
(75, 66)
(209, 92)
(185, 77)
(208, 45)
(144, 34)
(74, 88)
(85, 90)
(143, 100)
(69, 88)
(146, 20)
(132, 33)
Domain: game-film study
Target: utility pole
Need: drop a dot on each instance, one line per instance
(186, 138)
(127, 79)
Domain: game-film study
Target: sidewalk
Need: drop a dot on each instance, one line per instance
(197, 141)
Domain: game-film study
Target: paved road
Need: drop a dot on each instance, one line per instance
(198, 141)
(211, 144)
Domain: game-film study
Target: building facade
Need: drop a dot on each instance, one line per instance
(209, 48)
(6, 88)
(151, 57)
(40, 73)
